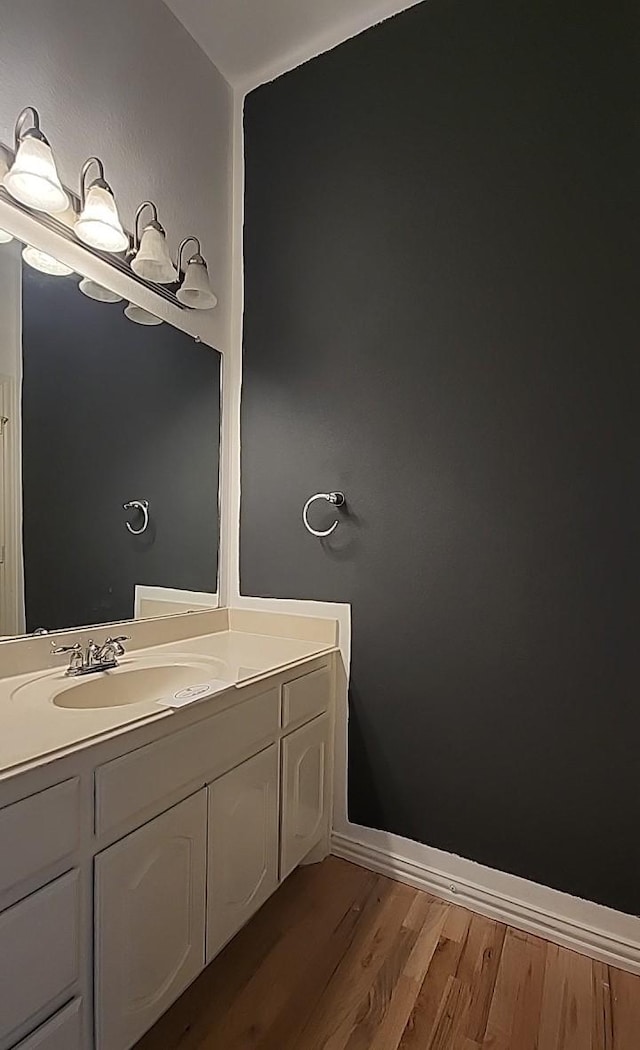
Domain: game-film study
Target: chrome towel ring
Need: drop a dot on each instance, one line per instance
(336, 498)
(143, 506)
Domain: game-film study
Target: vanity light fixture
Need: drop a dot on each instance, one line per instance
(44, 262)
(195, 290)
(98, 224)
(96, 291)
(33, 178)
(140, 316)
(151, 259)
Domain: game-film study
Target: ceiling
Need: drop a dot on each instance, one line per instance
(251, 41)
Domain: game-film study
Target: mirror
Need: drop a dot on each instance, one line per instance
(98, 412)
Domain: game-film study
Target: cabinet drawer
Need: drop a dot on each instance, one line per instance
(37, 833)
(62, 1032)
(305, 698)
(141, 784)
(39, 950)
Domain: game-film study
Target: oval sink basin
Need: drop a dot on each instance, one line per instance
(131, 685)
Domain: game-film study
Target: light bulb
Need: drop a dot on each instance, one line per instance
(98, 224)
(139, 316)
(44, 262)
(33, 179)
(96, 291)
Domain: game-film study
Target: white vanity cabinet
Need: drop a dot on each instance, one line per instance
(129, 865)
(305, 792)
(243, 846)
(149, 921)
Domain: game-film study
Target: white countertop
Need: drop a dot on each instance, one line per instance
(33, 727)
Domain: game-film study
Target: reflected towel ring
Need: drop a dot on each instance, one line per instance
(337, 498)
(143, 506)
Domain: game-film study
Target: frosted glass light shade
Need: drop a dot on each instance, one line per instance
(99, 223)
(5, 237)
(96, 291)
(44, 262)
(33, 178)
(140, 316)
(196, 290)
(152, 261)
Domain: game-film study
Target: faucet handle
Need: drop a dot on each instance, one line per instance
(116, 644)
(76, 660)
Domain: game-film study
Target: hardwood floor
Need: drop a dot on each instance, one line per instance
(342, 959)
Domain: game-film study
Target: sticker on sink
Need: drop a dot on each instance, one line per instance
(192, 693)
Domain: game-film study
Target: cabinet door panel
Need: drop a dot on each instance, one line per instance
(243, 846)
(305, 801)
(150, 920)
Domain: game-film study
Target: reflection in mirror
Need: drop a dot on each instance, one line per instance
(109, 446)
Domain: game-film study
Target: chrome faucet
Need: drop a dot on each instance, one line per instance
(95, 657)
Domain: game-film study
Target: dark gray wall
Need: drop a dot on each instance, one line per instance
(441, 320)
(112, 411)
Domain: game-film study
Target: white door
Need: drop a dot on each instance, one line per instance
(243, 846)
(150, 921)
(305, 794)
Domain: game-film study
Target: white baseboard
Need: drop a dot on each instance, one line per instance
(592, 929)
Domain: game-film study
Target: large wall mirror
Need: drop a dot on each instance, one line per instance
(98, 411)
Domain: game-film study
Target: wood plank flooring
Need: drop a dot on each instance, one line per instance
(343, 959)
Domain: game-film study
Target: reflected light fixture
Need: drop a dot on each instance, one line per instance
(33, 178)
(139, 316)
(195, 290)
(96, 291)
(5, 237)
(44, 262)
(98, 224)
(152, 261)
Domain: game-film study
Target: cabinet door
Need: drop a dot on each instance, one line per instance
(305, 794)
(150, 921)
(243, 846)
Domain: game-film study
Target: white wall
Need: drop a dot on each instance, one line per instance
(254, 41)
(125, 80)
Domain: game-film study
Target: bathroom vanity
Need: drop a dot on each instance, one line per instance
(130, 855)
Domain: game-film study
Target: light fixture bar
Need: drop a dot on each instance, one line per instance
(49, 222)
(92, 220)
